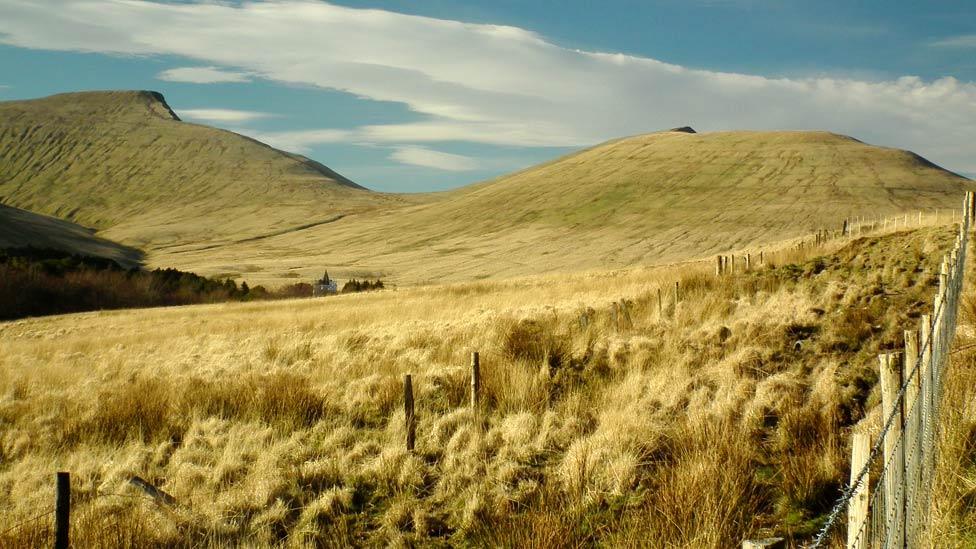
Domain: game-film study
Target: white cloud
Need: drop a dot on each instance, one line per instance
(428, 158)
(222, 115)
(300, 141)
(203, 75)
(495, 84)
(963, 41)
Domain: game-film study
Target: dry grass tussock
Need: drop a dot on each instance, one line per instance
(608, 418)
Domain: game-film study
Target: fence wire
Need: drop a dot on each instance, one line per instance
(898, 471)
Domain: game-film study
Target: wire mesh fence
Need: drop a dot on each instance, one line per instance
(887, 502)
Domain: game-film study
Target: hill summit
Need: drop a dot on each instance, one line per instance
(660, 197)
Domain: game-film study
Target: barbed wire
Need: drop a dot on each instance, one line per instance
(28, 521)
(938, 316)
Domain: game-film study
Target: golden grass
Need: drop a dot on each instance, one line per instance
(281, 423)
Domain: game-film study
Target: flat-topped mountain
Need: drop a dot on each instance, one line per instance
(123, 163)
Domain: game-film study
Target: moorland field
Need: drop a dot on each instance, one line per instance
(282, 422)
(614, 412)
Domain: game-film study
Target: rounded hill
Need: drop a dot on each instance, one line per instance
(650, 198)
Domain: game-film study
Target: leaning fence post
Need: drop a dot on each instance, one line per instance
(408, 411)
(857, 510)
(894, 457)
(62, 510)
(475, 381)
(660, 305)
(762, 258)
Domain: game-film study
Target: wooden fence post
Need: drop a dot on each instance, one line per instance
(677, 295)
(925, 393)
(408, 411)
(62, 510)
(732, 264)
(894, 456)
(912, 413)
(857, 511)
(718, 266)
(660, 305)
(748, 262)
(762, 258)
(475, 381)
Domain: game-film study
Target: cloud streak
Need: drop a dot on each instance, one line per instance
(222, 115)
(494, 84)
(203, 75)
(428, 158)
(965, 41)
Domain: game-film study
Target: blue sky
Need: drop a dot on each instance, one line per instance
(427, 95)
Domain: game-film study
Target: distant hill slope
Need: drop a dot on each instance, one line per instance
(123, 163)
(20, 228)
(646, 199)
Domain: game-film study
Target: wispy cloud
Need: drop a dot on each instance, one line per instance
(495, 84)
(300, 141)
(203, 75)
(222, 115)
(962, 41)
(429, 158)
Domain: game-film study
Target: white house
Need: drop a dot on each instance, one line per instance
(324, 288)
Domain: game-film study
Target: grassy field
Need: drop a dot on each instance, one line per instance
(649, 199)
(693, 424)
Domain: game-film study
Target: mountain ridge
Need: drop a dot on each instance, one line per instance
(215, 202)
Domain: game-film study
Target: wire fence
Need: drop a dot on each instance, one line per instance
(888, 500)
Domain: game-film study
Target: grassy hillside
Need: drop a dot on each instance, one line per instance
(123, 163)
(647, 199)
(20, 228)
(217, 203)
(693, 424)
